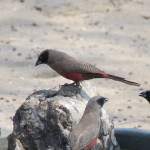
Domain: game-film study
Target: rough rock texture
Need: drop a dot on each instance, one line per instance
(45, 119)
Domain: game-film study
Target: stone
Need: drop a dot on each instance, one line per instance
(44, 121)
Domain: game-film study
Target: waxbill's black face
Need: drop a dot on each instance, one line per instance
(43, 58)
(146, 95)
(95, 103)
(101, 101)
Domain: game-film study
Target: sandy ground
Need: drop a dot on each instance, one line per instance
(115, 39)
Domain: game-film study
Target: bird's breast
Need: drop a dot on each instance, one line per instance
(73, 76)
(60, 67)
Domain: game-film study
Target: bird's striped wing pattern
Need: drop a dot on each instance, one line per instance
(87, 138)
(80, 67)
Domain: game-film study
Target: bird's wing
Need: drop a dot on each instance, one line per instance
(87, 137)
(88, 130)
(85, 132)
(79, 67)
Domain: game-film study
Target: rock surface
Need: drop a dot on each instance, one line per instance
(45, 119)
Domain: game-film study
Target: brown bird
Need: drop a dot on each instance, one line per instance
(74, 69)
(84, 136)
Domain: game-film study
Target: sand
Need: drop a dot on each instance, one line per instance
(114, 38)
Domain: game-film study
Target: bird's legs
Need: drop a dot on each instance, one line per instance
(74, 83)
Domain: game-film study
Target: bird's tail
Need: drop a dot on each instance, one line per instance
(119, 79)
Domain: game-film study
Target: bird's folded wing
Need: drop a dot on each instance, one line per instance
(87, 137)
(80, 67)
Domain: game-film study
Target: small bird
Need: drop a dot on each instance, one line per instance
(146, 95)
(74, 69)
(84, 136)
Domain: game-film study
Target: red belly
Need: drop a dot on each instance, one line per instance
(73, 76)
(91, 145)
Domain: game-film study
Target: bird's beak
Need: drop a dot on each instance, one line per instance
(142, 94)
(38, 62)
(106, 99)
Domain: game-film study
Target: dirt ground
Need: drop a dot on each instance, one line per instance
(114, 38)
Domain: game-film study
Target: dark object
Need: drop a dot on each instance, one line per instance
(133, 139)
(38, 8)
(22, 1)
(146, 95)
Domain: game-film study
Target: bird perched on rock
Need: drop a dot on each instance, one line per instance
(84, 136)
(146, 95)
(74, 69)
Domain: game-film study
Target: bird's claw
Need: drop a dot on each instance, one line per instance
(74, 83)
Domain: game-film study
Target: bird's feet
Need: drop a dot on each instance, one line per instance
(74, 83)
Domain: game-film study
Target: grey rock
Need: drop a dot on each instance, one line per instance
(44, 121)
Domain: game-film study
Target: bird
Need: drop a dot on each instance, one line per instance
(146, 95)
(74, 69)
(85, 134)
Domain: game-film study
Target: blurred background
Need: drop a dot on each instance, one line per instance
(114, 35)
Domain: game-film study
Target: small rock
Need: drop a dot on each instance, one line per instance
(38, 8)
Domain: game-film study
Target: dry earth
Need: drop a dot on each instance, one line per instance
(114, 38)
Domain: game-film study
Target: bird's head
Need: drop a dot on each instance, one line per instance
(95, 103)
(101, 100)
(143, 94)
(146, 95)
(43, 58)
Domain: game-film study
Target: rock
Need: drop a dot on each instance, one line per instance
(19, 145)
(45, 119)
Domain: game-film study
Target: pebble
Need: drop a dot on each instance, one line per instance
(14, 49)
(119, 109)
(115, 117)
(19, 54)
(129, 107)
(145, 82)
(139, 126)
(130, 73)
(38, 8)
